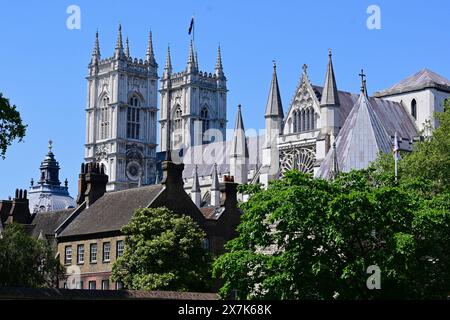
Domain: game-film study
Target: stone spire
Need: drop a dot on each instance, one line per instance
(215, 191)
(239, 151)
(330, 94)
(191, 59)
(118, 54)
(219, 67)
(150, 56)
(195, 190)
(96, 51)
(274, 107)
(196, 60)
(127, 48)
(168, 66)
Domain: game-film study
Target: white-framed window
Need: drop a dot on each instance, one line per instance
(93, 253)
(92, 285)
(119, 285)
(80, 253)
(120, 246)
(106, 251)
(68, 255)
(105, 284)
(133, 118)
(104, 119)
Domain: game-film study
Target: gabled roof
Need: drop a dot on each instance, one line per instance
(47, 222)
(423, 79)
(112, 211)
(361, 138)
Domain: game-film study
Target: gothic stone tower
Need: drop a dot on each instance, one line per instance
(194, 102)
(121, 115)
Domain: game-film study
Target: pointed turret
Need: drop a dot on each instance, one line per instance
(168, 66)
(191, 59)
(195, 190)
(127, 49)
(150, 56)
(96, 50)
(274, 127)
(330, 94)
(335, 166)
(239, 151)
(219, 67)
(274, 106)
(118, 53)
(215, 192)
(329, 104)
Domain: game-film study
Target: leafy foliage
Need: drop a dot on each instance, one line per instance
(25, 261)
(11, 126)
(306, 238)
(163, 251)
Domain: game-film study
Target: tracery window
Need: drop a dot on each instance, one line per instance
(104, 118)
(133, 118)
(303, 120)
(204, 116)
(177, 127)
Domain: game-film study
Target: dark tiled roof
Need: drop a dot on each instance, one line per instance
(112, 211)
(63, 294)
(47, 222)
(211, 212)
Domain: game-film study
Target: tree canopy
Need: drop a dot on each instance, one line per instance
(25, 261)
(307, 238)
(11, 126)
(163, 251)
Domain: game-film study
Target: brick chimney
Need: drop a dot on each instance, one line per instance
(5, 208)
(172, 174)
(19, 212)
(91, 183)
(81, 185)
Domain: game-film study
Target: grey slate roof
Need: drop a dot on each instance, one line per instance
(367, 131)
(330, 95)
(423, 79)
(274, 106)
(204, 156)
(112, 211)
(47, 222)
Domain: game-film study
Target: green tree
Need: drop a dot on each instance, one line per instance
(163, 251)
(306, 238)
(25, 261)
(11, 126)
(430, 160)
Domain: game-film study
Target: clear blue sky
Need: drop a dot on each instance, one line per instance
(43, 64)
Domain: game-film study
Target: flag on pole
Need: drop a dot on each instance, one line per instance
(191, 26)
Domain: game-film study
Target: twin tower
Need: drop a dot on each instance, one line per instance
(122, 106)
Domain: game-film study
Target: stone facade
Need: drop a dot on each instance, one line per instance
(121, 115)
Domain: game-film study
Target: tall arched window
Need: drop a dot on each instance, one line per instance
(204, 116)
(177, 127)
(295, 122)
(133, 118)
(104, 118)
(414, 109)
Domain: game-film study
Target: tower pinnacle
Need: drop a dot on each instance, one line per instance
(118, 54)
